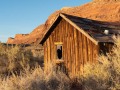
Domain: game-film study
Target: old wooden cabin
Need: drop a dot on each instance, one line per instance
(73, 41)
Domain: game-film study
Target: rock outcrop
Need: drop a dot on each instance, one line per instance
(107, 11)
(27, 38)
(10, 40)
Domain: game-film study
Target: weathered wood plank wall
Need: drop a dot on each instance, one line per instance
(77, 48)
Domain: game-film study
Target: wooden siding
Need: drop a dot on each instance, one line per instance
(77, 48)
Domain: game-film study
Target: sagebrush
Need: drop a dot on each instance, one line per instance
(104, 75)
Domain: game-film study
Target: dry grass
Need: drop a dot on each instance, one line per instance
(106, 74)
(21, 71)
(102, 76)
(36, 80)
(13, 59)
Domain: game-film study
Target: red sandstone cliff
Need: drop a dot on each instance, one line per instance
(27, 38)
(102, 10)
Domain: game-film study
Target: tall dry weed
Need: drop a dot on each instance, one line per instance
(36, 79)
(106, 74)
(14, 59)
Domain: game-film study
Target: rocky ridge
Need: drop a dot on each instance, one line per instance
(102, 10)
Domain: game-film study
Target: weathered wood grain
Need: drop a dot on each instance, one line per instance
(77, 48)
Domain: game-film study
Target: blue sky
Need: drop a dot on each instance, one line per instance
(22, 16)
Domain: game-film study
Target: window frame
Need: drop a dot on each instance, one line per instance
(56, 57)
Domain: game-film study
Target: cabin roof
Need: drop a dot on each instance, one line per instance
(92, 29)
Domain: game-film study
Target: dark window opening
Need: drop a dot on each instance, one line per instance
(105, 48)
(59, 51)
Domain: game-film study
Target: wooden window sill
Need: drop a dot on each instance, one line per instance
(59, 61)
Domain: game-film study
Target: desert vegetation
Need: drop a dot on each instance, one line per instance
(15, 58)
(20, 71)
(106, 74)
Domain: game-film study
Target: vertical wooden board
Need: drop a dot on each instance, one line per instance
(61, 31)
(81, 57)
(54, 37)
(89, 51)
(88, 46)
(76, 51)
(96, 53)
(66, 45)
(55, 33)
(68, 50)
(70, 53)
(80, 51)
(71, 47)
(64, 41)
(83, 49)
(74, 41)
(93, 52)
(52, 49)
(82, 54)
(86, 49)
(48, 50)
(87, 57)
(58, 32)
(72, 50)
(78, 54)
(67, 61)
(91, 44)
(46, 56)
